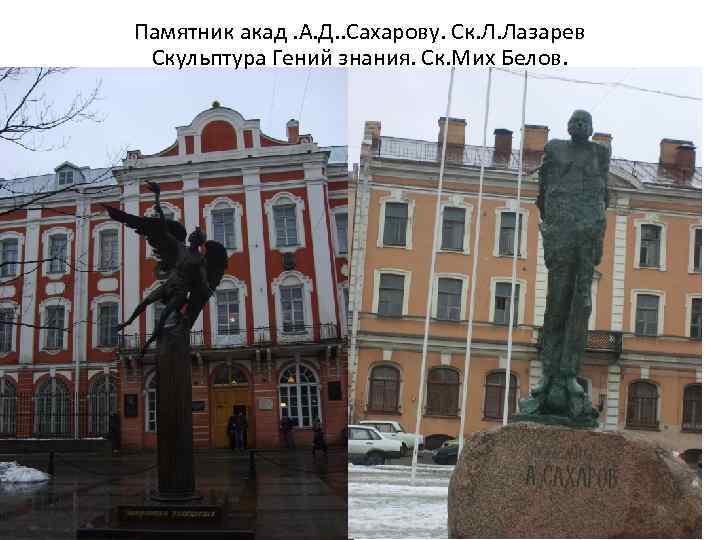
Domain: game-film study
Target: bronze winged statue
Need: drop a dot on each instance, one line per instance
(192, 274)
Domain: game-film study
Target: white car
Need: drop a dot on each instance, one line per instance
(366, 445)
(390, 429)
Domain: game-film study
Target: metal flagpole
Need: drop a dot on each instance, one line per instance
(514, 261)
(431, 278)
(473, 279)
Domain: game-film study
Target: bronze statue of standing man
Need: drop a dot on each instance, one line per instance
(573, 198)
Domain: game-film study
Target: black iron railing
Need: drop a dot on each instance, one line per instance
(263, 336)
(597, 341)
(54, 416)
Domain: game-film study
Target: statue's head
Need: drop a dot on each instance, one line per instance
(197, 238)
(580, 125)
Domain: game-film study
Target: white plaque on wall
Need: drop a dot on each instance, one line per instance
(265, 404)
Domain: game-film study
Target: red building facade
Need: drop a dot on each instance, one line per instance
(271, 339)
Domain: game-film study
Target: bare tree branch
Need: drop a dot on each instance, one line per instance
(32, 113)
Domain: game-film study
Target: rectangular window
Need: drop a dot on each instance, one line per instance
(453, 231)
(65, 178)
(58, 254)
(293, 311)
(507, 233)
(341, 225)
(448, 301)
(109, 250)
(55, 326)
(696, 318)
(646, 322)
(396, 218)
(107, 324)
(7, 318)
(228, 311)
(390, 295)
(285, 225)
(224, 227)
(650, 246)
(697, 253)
(502, 303)
(8, 257)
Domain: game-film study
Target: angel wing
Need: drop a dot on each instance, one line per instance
(165, 246)
(216, 262)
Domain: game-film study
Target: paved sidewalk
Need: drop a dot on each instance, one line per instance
(291, 496)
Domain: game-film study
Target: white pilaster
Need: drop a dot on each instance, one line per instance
(535, 372)
(322, 257)
(612, 403)
(191, 207)
(29, 292)
(80, 280)
(541, 276)
(131, 256)
(256, 249)
(618, 290)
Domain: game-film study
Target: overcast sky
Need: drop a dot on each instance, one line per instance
(142, 107)
(408, 103)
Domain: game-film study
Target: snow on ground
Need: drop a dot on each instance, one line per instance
(12, 473)
(384, 503)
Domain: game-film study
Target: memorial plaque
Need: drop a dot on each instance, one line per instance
(265, 404)
(334, 391)
(131, 405)
(528, 480)
(198, 406)
(190, 515)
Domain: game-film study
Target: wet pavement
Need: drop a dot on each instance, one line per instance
(291, 495)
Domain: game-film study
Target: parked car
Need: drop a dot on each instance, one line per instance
(447, 454)
(390, 429)
(366, 446)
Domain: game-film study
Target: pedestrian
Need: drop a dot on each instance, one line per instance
(233, 428)
(242, 425)
(286, 429)
(319, 438)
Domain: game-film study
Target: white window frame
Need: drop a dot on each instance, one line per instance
(94, 309)
(521, 301)
(65, 170)
(661, 309)
(335, 235)
(279, 199)
(70, 234)
(150, 212)
(223, 203)
(146, 401)
(592, 320)
(293, 278)
(396, 196)
(651, 220)
(406, 287)
(317, 385)
(97, 246)
(10, 304)
(688, 311)
(54, 301)
(466, 232)
(12, 235)
(229, 282)
(463, 294)
(149, 311)
(691, 255)
(510, 207)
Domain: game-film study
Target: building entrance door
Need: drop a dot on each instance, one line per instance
(224, 400)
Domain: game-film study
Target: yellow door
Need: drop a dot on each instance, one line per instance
(223, 401)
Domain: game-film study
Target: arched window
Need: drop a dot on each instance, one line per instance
(442, 391)
(299, 395)
(642, 411)
(8, 407)
(229, 374)
(52, 408)
(384, 389)
(692, 408)
(495, 395)
(102, 401)
(151, 405)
